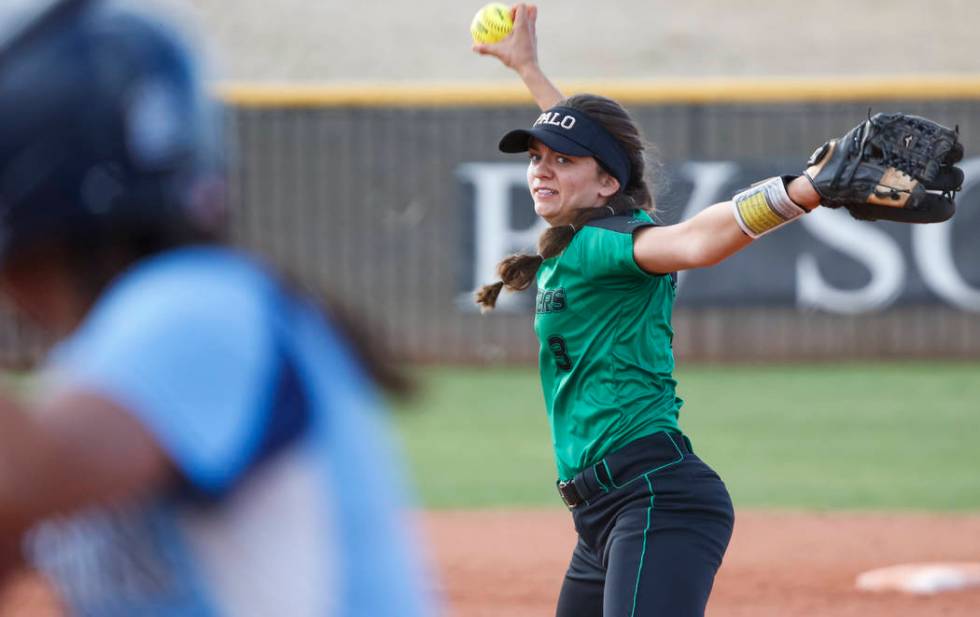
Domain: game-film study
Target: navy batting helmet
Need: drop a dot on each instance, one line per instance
(103, 125)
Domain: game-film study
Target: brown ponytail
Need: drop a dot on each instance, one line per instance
(517, 272)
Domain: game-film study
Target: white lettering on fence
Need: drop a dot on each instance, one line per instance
(495, 233)
(932, 250)
(865, 243)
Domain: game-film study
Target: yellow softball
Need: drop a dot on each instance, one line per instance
(492, 23)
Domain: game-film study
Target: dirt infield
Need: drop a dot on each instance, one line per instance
(510, 564)
(779, 564)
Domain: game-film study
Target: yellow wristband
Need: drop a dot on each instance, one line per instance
(764, 206)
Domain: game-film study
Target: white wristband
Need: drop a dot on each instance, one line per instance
(765, 206)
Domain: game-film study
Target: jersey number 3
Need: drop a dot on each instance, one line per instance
(557, 346)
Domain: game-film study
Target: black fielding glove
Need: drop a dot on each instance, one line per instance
(893, 167)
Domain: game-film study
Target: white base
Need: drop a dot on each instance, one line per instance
(923, 578)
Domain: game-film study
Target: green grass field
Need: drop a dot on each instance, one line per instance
(834, 436)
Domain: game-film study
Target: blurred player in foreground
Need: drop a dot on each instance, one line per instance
(207, 442)
(653, 520)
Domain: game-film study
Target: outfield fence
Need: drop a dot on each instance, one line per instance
(396, 200)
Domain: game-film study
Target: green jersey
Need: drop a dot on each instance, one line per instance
(606, 359)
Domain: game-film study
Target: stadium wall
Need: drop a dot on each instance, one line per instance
(395, 199)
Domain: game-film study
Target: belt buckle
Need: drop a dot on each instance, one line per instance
(562, 485)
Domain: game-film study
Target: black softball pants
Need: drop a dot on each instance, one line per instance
(653, 524)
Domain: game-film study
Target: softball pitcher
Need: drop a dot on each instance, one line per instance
(653, 520)
(207, 441)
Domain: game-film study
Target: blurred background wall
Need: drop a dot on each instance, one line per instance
(412, 207)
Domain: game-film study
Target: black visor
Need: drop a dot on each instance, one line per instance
(573, 133)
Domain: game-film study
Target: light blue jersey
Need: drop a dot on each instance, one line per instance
(291, 501)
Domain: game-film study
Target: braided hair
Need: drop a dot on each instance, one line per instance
(518, 271)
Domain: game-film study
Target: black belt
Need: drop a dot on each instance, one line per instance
(636, 458)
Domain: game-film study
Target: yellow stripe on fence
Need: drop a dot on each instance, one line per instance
(652, 92)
